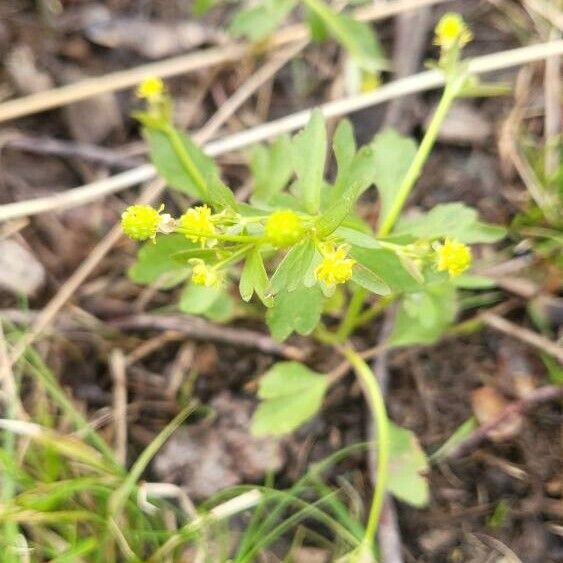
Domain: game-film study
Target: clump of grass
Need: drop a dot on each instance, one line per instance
(66, 498)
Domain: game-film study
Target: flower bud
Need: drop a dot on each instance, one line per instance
(454, 257)
(140, 222)
(151, 89)
(284, 228)
(452, 31)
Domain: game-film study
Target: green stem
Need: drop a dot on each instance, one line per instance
(451, 91)
(354, 308)
(234, 257)
(185, 159)
(375, 310)
(219, 236)
(377, 405)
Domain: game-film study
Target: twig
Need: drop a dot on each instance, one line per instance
(417, 83)
(199, 329)
(117, 368)
(523, 334)
(57, 147)
(182, 64)
(535, 398)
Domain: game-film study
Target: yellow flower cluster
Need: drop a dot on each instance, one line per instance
(284, 228)
(197, 224)
(202, 274)
(454, 257)
(452, 31)
(335, 267)
(141, 222)
(151, 89)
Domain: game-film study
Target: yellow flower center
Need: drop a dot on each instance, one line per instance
(452, 30)
(454, 257)
(202, 274)
(140, 222)
(197, 224)
(284, 228)
(335, 267)
(151, 89)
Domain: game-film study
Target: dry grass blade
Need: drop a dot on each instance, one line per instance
(403, 87)
(182, 64)
(118, 366)
(524, 335)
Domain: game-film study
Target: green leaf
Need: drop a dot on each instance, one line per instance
(317, 28)
(386, 265)
(271, 168)
(333, 217)
(392, 154)
(454, 220)
(357, 238)
(344, 147)
(259, 22)
(308, 156)
(460, 433)
(423, 317)
(196, 299)
(156, 260)
(356, 37)
(254, 278)
(298, 310)
(370, 281)
(407, 465)
(291, 394)
(361, 171)
(169, 164)
(293, 267)
(200, 7)
(220, 196)
(211, 302)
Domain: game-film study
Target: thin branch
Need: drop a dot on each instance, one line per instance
(199, 329)
(524, 335)
(58, 147)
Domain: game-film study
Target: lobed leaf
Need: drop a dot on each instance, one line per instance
(407, 467)
(156, 260)
(308, 156)
(271, 168)
(423, 317)
(295, 311)
(392, 157)
(291, 394)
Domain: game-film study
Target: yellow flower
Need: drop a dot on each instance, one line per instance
(454, 257)
(202, 274)
(141, 222)
(151, 89)
(284, 228)
(197, 224)
(452, 30)
(335, 267)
